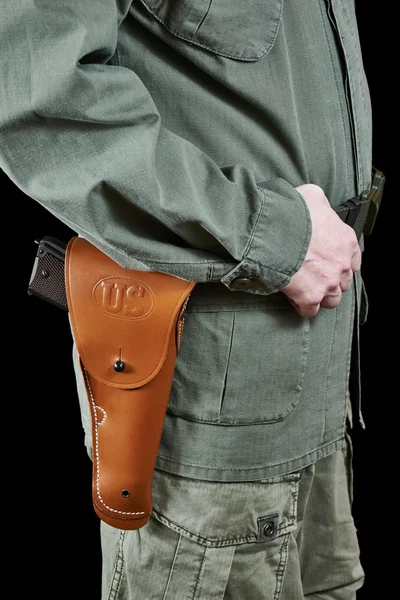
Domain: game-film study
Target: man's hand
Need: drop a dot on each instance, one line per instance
(332, 258)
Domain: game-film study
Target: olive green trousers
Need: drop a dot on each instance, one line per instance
(284, 538)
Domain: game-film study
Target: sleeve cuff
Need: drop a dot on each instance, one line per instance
(278, 244)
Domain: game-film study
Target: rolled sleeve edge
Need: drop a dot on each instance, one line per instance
(284, 249)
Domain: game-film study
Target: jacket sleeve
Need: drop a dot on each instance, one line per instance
(83, 137)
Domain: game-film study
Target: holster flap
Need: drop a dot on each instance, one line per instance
(121, 319)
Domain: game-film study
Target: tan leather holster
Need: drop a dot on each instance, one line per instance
(127, 326)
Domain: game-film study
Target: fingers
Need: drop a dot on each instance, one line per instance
(346, 282)
(332, 300)
(356, 260)
(305, 311)
(347, 276)
(328, 269)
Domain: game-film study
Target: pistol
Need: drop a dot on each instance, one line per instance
(48, 274)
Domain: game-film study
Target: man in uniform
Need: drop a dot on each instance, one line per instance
(215, 141)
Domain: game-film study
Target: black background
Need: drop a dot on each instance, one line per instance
(47, 474)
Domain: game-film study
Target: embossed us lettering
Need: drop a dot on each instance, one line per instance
(123, 297)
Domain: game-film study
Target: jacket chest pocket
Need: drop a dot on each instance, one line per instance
(243, 30)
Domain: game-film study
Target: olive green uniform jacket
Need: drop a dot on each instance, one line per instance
(171, 134)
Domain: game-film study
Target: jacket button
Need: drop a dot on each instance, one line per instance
(245, 282)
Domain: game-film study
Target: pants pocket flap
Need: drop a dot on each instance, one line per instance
(222, 514)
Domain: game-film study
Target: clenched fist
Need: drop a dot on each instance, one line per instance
(333, 257)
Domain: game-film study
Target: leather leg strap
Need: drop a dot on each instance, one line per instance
(126, 325)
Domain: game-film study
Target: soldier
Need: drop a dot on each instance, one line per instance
(218, 142)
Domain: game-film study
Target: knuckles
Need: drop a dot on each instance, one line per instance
(310, 299)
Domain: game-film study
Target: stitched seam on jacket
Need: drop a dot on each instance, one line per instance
(256, 467)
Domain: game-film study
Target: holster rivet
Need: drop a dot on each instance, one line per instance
(119, 365)
(125, 493)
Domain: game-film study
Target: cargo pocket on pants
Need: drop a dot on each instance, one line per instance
(226, 531)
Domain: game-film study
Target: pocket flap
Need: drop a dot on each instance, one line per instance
(218, 514)
(241, 30)
(121, 319)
